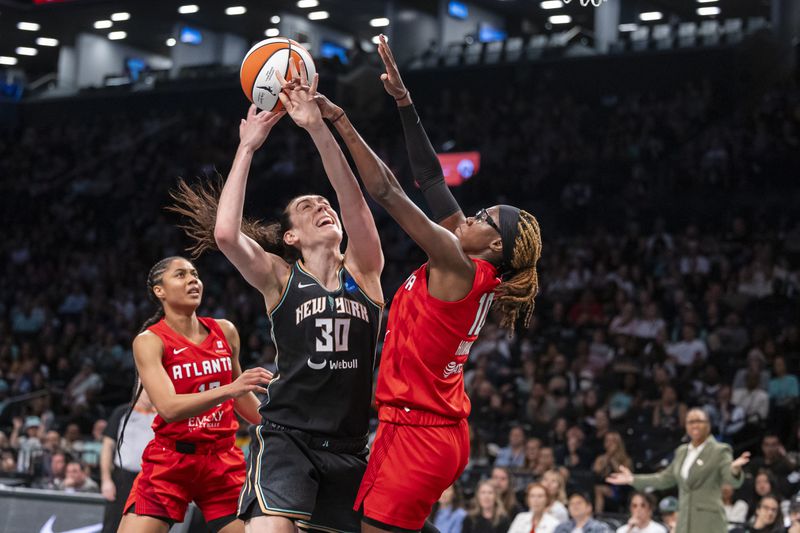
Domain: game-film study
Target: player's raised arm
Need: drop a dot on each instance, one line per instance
(256, 265)
(425, 165)
(441, 245)
(364, 252)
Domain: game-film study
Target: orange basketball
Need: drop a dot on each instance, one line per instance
(257, 74)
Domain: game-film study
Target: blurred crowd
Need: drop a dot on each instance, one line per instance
(670, 280)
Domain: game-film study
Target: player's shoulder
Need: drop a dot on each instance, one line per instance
(226, 326)
(147, 340)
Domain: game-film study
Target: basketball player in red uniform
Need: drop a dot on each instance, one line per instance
(189, 366)
(422, 444)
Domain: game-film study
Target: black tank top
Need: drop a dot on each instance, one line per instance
(326, 343)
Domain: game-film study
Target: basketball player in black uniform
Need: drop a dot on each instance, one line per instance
(308, 455)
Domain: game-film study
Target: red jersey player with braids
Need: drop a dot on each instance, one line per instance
(422, 444)
(189, 366)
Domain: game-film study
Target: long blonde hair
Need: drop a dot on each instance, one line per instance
(500, 511)
(562, 490)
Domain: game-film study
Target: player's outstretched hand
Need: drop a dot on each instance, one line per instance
(623, 477)
(251, 380)
(254, 129)
(299, 99)
(391, 79)
(329, 110)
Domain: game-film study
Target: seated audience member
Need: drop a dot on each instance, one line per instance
(768, 517)
(580, 512)
(503, 481)
(487, 513)
(555, 484)
(76, 479)
(668, 509)
(735, 511)
(536, 518)
(513, 455)
(448, 514)
(641, 520)
(794, 515)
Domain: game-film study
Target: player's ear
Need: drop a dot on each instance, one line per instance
(290, 238)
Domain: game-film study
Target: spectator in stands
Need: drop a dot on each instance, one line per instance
(448, 514)
(553, 481)
(755, 365)
(487, 513)
(545, 461)
(536, 518)
(668, 510)
(532, 448)
(90, 453)
(609, 462)
(57, 470)
(669, 414)
(503, 482)
(753, 400)
(513, 455)
(8, 463)
(690, 350)
(768, 517)
(784, 396)
(82, 387)
(580, 512)
(29, 443)
(794, 515)
(76, 478)
(728, 419)
(573, 455)
(735, 511)
(641, 519)
(774, 460)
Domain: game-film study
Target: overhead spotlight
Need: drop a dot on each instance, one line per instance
(103, 24)
(708, 11)
(560, 19)
(171, 42)
(628, 27)
(379, 22)
(7, 60)
(117, 35)
(46, 41)
(648, 16)
(551, 4)
(307, 3)
(120, 17)
(706, 1)
(275, 19)
(28, 26)
(318, 15)
(26, 51)
(188, 9)
(235, 10)
(377, 39)
(272, 32)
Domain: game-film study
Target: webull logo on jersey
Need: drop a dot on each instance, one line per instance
(352, 364)
(454, 367)
(211, 420)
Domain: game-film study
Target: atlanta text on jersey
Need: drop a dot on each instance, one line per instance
(201, 368)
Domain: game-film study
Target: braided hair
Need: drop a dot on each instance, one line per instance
(515, 295)
(154, 277)
(199, 204)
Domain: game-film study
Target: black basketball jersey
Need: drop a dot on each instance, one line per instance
(326, 343)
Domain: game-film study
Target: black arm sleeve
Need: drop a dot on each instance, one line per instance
(425, 166)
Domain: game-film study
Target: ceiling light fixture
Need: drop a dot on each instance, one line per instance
(318, 15)
(26, 51)
(28, 26)
(117, 35)
(650, 15)
(46, 41)
(120, 17)
(272, 32)
(235, 10)
(103, 24)
(275, 19)
(307, 3)
(7, 60)
(188, 9)
(171, 42)
(708, 11)
(552, 4)
(379, 22)
(560, 19)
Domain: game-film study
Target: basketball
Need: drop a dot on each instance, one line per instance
(257, 73)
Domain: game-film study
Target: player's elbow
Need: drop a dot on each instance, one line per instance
(225, 238)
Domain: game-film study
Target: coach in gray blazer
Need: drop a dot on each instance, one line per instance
(698, 470)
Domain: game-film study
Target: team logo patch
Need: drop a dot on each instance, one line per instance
(452, 368)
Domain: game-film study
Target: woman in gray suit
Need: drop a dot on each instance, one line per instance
(699, 470)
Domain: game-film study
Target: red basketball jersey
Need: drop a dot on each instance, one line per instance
(196, 368)
(428, 341)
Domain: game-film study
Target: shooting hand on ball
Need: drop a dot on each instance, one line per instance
(329, 110)
(391, 79)
(299, 99)
(254, 129)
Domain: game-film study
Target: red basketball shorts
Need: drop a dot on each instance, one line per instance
(170, 480)
(409, 468)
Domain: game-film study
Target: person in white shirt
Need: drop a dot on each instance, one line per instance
(754, 400)
(735, 512)
(641, 520)
(554, 482)
(689, 350)
(534, 520)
